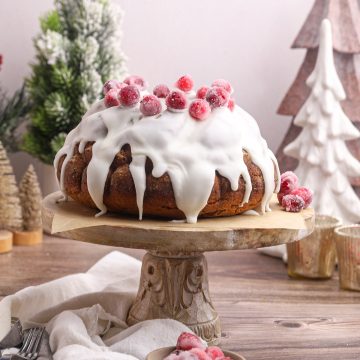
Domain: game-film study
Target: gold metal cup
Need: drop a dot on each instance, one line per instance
(347, 240)
(314, 257)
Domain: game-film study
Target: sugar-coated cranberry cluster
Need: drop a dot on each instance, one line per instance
(292, 197)
(190, 347)
(207, 98)
(127, 94)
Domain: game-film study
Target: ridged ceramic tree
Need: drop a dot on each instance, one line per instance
(10, 208)
(344, 16)
(325, 163)
(30, 197)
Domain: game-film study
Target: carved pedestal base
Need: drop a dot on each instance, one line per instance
(176, 286)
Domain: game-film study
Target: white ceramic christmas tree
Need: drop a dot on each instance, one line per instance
(325, 163)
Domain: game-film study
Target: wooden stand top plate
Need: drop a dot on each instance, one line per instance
(227, 233)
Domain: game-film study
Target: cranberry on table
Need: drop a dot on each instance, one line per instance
(199, 109)
(129, 95)
(188, 341)
(185, 83)
(161, 91)
(293, 203)
(200, 354)
(289, 182)
(176, 100)
(305, 193)
(214, 352)
(150, 105)
(191, 347)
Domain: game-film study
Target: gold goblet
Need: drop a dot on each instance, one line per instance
(347, 240)
(314, 257)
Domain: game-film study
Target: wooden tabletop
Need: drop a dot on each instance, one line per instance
(264, 314)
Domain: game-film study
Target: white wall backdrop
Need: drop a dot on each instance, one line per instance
(247, 42)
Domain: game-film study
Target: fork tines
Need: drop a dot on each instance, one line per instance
(31, 345)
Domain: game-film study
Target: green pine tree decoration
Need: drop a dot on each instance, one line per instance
(77, 50)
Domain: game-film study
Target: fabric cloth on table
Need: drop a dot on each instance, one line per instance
(278, 251)
(85, 314)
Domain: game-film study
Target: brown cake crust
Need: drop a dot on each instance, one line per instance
(159, 200)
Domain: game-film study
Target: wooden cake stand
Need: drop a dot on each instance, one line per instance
(174, 276)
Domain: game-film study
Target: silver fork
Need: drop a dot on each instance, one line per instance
(31, 347)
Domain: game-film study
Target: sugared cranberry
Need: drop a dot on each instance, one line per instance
(217, 96)
(293, 203)
(289, 182)
(129, 95)
(161, 91)
(231, 104)
(188, 341)
(112, 98)
(289, 178)
(201, 93)
(136, 80)
(185, 83)
(224, 84)
(112, 84)
(200, 354)
(214, 352)
(280, 196)
(199, 109)
(305, 193)
(150, 105)
(176, 100)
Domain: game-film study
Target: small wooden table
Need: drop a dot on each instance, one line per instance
(265, 315)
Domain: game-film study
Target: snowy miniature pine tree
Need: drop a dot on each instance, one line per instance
(10, 208)
(77, 51)
(325, 163)
(30, 197)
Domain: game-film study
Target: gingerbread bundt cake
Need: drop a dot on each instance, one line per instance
(173, 154)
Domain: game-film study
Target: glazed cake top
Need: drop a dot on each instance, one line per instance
(187, 135)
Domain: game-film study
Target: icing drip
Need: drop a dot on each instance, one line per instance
(189, 151)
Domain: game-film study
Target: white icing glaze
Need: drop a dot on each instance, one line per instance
(189, 151)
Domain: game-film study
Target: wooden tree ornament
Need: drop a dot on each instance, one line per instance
(6, 241)
(10, 208)
(30, 197)
(344, 16)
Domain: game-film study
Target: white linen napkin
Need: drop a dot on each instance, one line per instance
(278, 251)
(85, 314)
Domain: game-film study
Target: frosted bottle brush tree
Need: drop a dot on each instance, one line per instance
(325, 163)
(10, 208)
(77, 51)
(30, 198)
